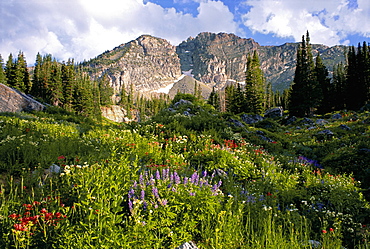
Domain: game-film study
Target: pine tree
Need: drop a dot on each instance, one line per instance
(303, 98)
(68, 81)
(10, 71)
(340, 87)
(325, 89)
(214, 99)
(230, 92)
(254, 86)
(55, 91)
(23, 76)
(106, 91)
(2, 72)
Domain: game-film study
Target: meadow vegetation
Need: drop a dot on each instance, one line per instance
(187, 174)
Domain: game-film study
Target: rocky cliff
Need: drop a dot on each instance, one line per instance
(12, 100)
(150, 63)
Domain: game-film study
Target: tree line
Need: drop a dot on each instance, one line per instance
(312, 90)
(67, 85)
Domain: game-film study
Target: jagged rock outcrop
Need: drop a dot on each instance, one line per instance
(12, 100)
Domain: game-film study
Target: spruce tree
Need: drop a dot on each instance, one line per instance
(304, 97)
(106, 91)
(10, 71)
(214, 99)
(23, 76)
(230, 92)
(2, 72)
(340, 87)
(68, 81)
(254, 86)
(325, 90)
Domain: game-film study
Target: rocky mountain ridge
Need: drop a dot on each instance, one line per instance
(149, 63)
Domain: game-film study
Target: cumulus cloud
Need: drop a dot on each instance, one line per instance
(82, 29)
(329, 22)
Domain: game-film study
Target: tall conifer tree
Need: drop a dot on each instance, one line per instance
(255, 86)
(2, 72)
(303, 98)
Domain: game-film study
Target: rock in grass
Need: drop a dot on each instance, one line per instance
(188, 245)
(274, 112)
(12, 100)
(344, 127)
(251, 118)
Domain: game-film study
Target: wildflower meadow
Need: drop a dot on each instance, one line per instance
(71, 182)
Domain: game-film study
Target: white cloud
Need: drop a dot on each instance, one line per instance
(82, 29)
(329, 22)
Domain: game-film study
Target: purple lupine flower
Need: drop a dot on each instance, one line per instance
(142, 196)
(130, 205)
(219, 184)
(141, 180)
(186, 180)
(176, 178)
(155, 192)
(157, 175)
(214, 188)
(173, 189)
(135, 184)
(205, 173)
(195, 178)
(163, 202)
(213, 174)
(165, 174)
(172, 178)
(131, 193)
(262, 198)
(145, 205)
(192, 193)
(251, 198)
(169, 185)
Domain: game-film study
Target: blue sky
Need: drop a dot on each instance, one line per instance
(82, 29)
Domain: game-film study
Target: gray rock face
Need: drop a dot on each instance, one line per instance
(12, 100)
(274, 112)
(150, 63)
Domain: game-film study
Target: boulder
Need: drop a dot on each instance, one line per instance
(274, 112)
(182, 102)
(321, 121)
(12, 100)
(188, 245)
(336, 116)
(115, 113)
(235, 122)
(251, 118)
(290, 120)
(344, 127)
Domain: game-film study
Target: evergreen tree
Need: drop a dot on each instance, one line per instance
(214, 99)
(230, 93)
(303, 98)
(106, 91)
(2, 72)
(340, 87)
(23, 76)
(10, 71)
(55, 91)
(325, 90)
(254, 86)
(68, 81)
(82, 102)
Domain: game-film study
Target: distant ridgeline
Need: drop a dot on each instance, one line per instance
(140, 74)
